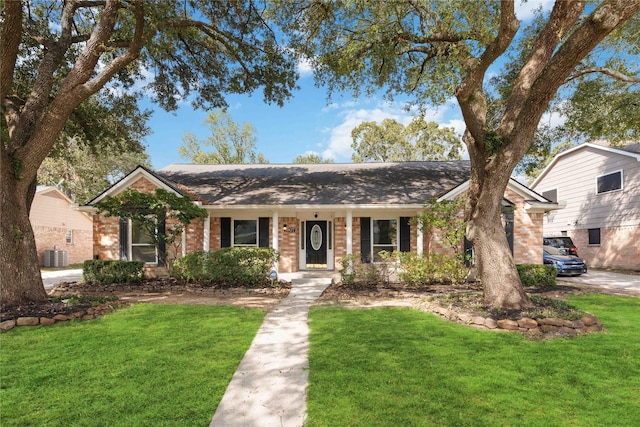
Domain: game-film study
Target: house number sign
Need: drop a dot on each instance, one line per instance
(316, 237)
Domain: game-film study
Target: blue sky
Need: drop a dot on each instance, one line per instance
(306, 123)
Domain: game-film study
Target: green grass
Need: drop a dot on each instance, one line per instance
(146, 365)
(401, 367)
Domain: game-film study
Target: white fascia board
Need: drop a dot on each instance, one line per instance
(125, 182)
(536, 206)
(452, 194)
(580, 147)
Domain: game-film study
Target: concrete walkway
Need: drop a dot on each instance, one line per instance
(269, 388)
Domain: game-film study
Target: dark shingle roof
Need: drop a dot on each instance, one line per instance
(322, 184)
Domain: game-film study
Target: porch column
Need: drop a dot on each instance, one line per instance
(274, 235)
(206, 237)
(349, 232)
(184, 242)
(420, 237)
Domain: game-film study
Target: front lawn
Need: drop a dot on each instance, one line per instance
(146, 365)
(402, 367)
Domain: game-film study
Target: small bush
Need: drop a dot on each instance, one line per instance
(237, 266)
(539, 275)
(107, 272)
(367, 274)
(418, 270)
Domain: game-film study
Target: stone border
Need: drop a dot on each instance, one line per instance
(88, 314)
(549, 327)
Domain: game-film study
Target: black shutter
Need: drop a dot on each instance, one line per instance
(263, 232)
(405, 234)
(365, 239)
(225, 232)
(123, 237)
(162, 245)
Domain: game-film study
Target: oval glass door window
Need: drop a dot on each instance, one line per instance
(316, 237)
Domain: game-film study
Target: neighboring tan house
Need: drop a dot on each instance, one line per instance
(599, 187)
(58, 227)
(314, 214)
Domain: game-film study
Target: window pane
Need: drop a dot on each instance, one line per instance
(139, 235)
(385, 237)
(610, 182)
(245, 232)
(594, 236)
(384, 231)
(145, 253)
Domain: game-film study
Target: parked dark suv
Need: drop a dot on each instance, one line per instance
(563, 243)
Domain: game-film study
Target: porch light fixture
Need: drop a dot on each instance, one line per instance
(284, 228)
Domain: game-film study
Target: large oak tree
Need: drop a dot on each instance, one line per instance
(74, 49)
(434, 50)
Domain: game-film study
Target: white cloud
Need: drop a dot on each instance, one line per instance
(305, 67)
(525, 8)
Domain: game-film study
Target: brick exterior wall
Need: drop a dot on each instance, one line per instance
(527, 232)
(288, 244)
(618, 248)
(106, 244)
(49, 237)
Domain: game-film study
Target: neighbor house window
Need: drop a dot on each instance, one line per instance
(594, 236)
(551, 195)
(245, 232)
(69, 237)
(609, 182)
(385, 236)
(142, 246)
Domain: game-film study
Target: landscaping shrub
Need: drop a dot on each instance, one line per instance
(353, 271)
(107, 272)
(419, 270)
(537, 274)
(237, 266)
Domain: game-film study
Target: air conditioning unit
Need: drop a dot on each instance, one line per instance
(56, 258)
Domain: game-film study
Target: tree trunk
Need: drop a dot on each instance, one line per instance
(496, 267)
(20, 280)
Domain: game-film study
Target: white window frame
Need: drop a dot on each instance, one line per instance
(69, 237)
(621, 172)
(394, 246)
(132, 245)
(233, 233)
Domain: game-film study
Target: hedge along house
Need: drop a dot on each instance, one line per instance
(314, 214)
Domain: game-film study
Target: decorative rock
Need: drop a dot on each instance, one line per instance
(594, 328)
(527, 323)
(508, 324)
(46, 321)
(567, 331)
(464, 318)
(490, 323)
(551, 321)
(7, 324)
(534, 333)
(548, 328)
(61, 317)
(27, 321)
(478, 320)
(88, 317)
(79, 314)
(589, 320)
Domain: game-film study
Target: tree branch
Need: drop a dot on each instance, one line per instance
(9, 44)
(470, 94)
(617, 75)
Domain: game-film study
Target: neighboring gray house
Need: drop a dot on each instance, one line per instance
(599, 187)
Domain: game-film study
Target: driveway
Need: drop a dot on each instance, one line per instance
(50, 278)
(616, 283)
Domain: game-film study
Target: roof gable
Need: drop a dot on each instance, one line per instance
(130, 178)
(603, 148)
